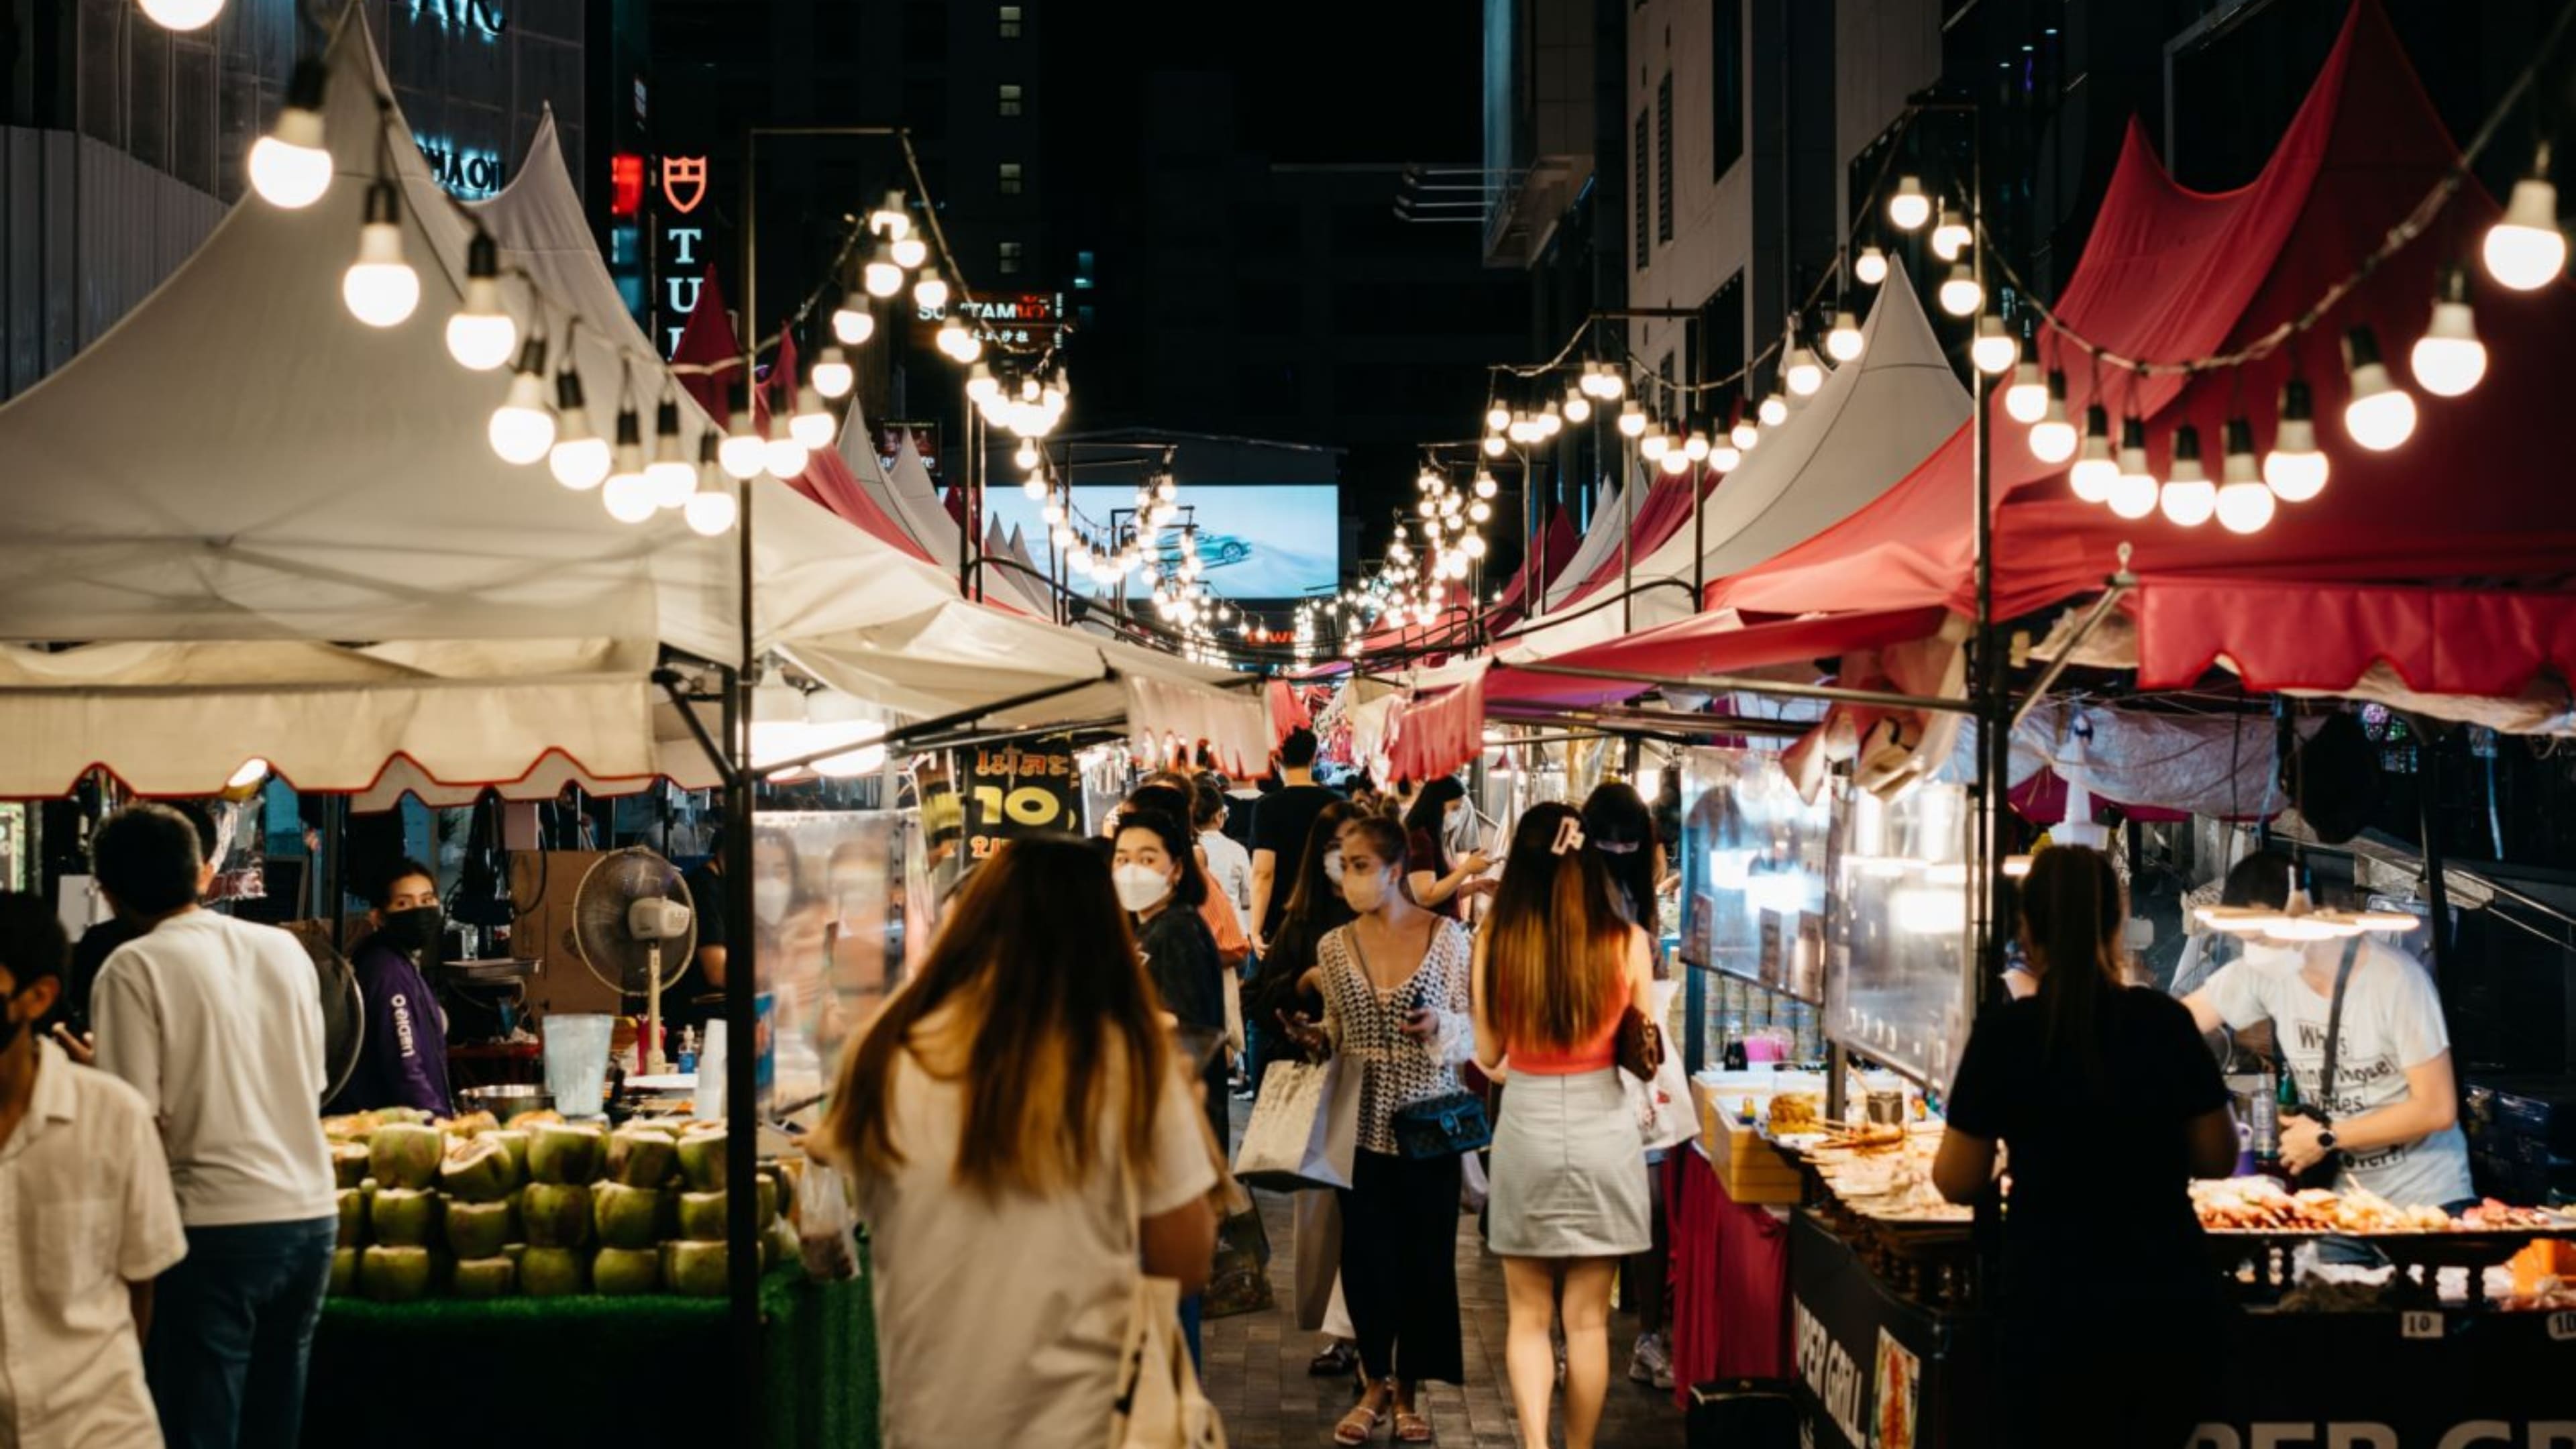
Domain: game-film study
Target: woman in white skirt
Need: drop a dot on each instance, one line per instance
(1556, 968)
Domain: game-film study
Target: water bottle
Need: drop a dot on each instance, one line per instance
(688, 1062)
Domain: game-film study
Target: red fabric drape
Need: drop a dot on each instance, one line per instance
(1437, 736)
(1729, 1278)
(1288, 712)
(1705, 645)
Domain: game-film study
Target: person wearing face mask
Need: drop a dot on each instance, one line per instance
(1152, 869)
(403, 1062)
(1437, 817)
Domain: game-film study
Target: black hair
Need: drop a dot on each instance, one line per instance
(1161, 799)
(401, 870)
(1191, 891)
(2261, 879)
(1617, 823)
(1210, 802)
(2070, 922)
(1297, 752)
(1429, 814)
(147, 857)
(32, 944)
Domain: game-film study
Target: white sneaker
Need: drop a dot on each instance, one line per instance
(1651, 1362)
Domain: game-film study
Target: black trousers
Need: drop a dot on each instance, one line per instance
(1400, 1266)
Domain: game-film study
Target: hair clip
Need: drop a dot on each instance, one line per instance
(1615, 847)
(1569, 834)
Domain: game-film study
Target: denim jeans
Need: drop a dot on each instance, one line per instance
(231, 1326)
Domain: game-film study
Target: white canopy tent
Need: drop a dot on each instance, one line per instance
(1610, 524)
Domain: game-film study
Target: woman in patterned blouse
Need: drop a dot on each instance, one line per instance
(1394, 983)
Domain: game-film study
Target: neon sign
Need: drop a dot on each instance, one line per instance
(461, 170)
(483, 17)
(684, 189)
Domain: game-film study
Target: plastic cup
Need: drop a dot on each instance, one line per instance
(577, 1062)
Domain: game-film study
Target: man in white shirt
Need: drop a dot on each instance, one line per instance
(218, 1023)
(1228, 863)
(87, 1220)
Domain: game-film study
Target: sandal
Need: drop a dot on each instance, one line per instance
(1412, 1427)
(1357, 1425)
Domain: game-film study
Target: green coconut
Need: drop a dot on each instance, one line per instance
(696, 1269)
(472, 1124)
(353, 1218)
(766, 1189)
(555, 1214)
(553, 1272)
(477, 1229)
(344, 1271)
(514, 1252)
(404, 1154)
(531, 1121)
(562, 1153)
(477, 1171)
(393, 1274)
(623, 1272)
(702, 1158)
(493, 1277)
(515, 1144)
(702, 1217)
(401, 1218)
(349, 1163)
(782, 1243)
(413, 1116)
(625, 1217)
(642, 1156)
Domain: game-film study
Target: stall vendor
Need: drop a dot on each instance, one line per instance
(403, 1062)
(2393, 1116)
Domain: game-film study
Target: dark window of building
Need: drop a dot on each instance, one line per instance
(1726, 87)
(1664, 158)
(925, 31)
(1719, 339)
(1008, 180)
(1645, 195)
(1010, 22)
(1010, 100)
(1007, 257)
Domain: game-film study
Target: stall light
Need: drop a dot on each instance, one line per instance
(579, 458)
(1909, 208)
(833, 376)
(522, 429)
(2052, 438)
(1929, 910)
(2526, 250)
(1494, 445)
(1871, 267)
(1675, 463)
(1995, 349)
(252, 771)
(628, 494)
(183, 15)
(2026, 400)
(1578, 408)
(1961, 295)
(1775, 408)
(853, 325)
(1746, 434)
(1695, 447)
(1950, 237)
(1803, 374)
(1497, 418)
(910, 252)
(1480, 511)
(960, 344)
(1473, 546)
(1654, 444)
(289, 167)
(1843, 341)
(883, 275)
(710, 511)
(480, 335)
(930, 292)
(2238, 920)
(1027, 456)
(1724, 456)
(739, 454)
(380, 287)
(2016, 867)
(1614, 386)
(670, 475)
(2295, 468)
(1551, 421)
(2245, 503)
(1486, 487)
(784, 455)
(2381, 415)
(890, 220)
(2095, 472)
(1632, 420)
(812, 424)
(2449, 359)
(2188, 497)
(2135, 490)
(982, 388)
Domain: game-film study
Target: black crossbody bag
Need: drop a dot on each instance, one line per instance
(2323, 1174)
(1448, 1125)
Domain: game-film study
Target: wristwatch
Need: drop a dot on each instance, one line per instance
(2326, 1140)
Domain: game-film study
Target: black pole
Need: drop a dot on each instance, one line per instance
(742, 1112)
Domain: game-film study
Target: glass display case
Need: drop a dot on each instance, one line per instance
(1753, 861)
(1896, 951)
(843, 937)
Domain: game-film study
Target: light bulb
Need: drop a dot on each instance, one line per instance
(710, 511)
(1497, 418)
(1745, 434)
(2052, 437)
(1486, 487)
(1473, 546)
(1632, 421)
(1724, 456)
(2094, 472)
(812, 424)
(672, 477)
(2295, 468)
(1552, 421)
(481, 336)
(910, 251)
(1871, 267)
(1995, 349)
(1578, 408)
(2245, 504)
(982, 388)
(1480, 511)
(884, 276)
(1843, 341)
(1909, 208)
(1961, 296)
(954, 340)
(2449, 359)
(1775, 408)
(890, 219)
(629, 497)
(1695, 447)
(833, 376)
(1654, 445)
(1026, 457)
(1951, 237)
(853, 325)
(2135, 491)
(380, 287)
(2381, 414)
(783, 455)
(1613, 386)
(1034, 487)
(2188, 497)
(2526, 250)
(183, 14)
(1494, 445)
(1804, 374)
(1676, 462)
(931, 292)
(579, 458)
(739, 453)
(289, 167)
(2026, 401)
(522, 428)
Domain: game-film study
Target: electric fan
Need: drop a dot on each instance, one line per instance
(636, 929)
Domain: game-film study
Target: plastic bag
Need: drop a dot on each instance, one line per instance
(826, 1228)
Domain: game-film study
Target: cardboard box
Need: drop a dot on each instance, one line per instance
(542, 887)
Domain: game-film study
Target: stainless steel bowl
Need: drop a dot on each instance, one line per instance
(506, 1101)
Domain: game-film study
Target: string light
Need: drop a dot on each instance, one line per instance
(1632, 420)
(813, 425)
(579, 458)
(2295, 468)
(628, 495)
(1695, 447)
(740, 452)
(1995, 349)
(1486, 487)
(1745, 434)
(1775, 408)
(2448, 359)
(2188, 497)
(522, 430)
(2381, 415)
(930, 292)
(1909, 208)
(2245, 502)
(1578, 408)
(1870, 268)
(1804, 374)
(1960, 294)
(2094, 473)
(481, 336)
(2134, 491)
(890, 220)
(833, 376)
(1654, 444)
(2526, 250)
(853, 323)
(1497, 418)
(909, 252)
(1843, 342)
(289, 167)
(1675, 462)
(883, 275)
(784, 455)
(2026, 401)
(1951, 237)
(710, 511)
(982, 388)
(183, 15)
(671, 476)
(1724, 456)
(380, 287)
(2052, 438)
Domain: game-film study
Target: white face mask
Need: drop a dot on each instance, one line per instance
(2273, 960)
(1365, 892)
(1140, 886)
(1333, 869)
(769, 898)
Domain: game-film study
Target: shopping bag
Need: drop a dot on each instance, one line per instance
(1159, 1403)
(1304, 1127)
(1240, 1282)
(1318, 1245)
(1665, 1116)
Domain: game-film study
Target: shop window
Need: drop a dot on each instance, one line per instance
(1008, 257)
(1010, 100)
(1664, 158)
(1008, 180)
(1645, 196)
(1010, 22)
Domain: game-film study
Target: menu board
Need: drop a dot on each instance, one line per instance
(1753, 857)
(1896, 946)
(1018, 789)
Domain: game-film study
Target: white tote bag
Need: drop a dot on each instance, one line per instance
(1665, 1116)
(1160, 1404)
(1305, 1127)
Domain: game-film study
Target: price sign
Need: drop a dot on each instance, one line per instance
(1014, 790)
(2562, 1327)
(2421, 1325)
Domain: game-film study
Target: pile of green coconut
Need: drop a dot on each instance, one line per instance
(542, 1207)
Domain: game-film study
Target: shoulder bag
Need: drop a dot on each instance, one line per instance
(1442, 1126)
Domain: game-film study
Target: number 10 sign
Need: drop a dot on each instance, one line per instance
(1014, 790)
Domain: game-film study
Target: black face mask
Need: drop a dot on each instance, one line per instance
(417, 931)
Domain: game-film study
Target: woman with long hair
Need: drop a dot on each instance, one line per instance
(2110, 1103)
(1620, 827)
(1439, 884)
(1558, 966)
(1394, 983)
(1162, 886)
(1018, 1134)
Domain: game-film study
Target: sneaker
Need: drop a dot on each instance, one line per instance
(1651, 1362)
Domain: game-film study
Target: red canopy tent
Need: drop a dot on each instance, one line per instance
(2380, 566)
(1666, 511)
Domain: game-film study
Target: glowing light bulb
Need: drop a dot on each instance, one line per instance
(481, 336)
(740, 452)
(1843, 342)
(2295, 468)
(1676, 462)
(2449, 359)
(1804, 374)
(183, 14)
(1746, 435)
(910, 251)
(1951, 237)
(833, 376)
(1695, 447)
(1578, 408)
(579, 458)
(1480, 511)
(380, 287)
(2188, 497)
(1870, 268)
(931, 292)
(1486, 487)
(2134, 492)
(2052, 437)
(1995, 349)
(2026, 401)
(1960, 294)
(1497, 418)
(982, 388)
(1026, 457)
(1724, 456)
(812, 424)
(853, 325)
(784, 455)
(522, 429)
(1473, 546)
(883, 275)
(1775, 408)
(1632, 421)
(2245, 502)
(671, 475)
(2381, 415)
(1550, 422)
(2094, 474)
(2526, 250)
(628, 494)
(1909, 208)
(890, 219)
(289, 167)
(1494, 445)
(1654, 445)
(710, 511)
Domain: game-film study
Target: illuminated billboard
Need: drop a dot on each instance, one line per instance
(1255, 540)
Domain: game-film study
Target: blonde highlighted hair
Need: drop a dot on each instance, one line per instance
(1556, 944)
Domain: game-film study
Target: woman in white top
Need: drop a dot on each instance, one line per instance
(1022, 1139)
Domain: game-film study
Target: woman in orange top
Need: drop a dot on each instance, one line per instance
(1556, 968)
